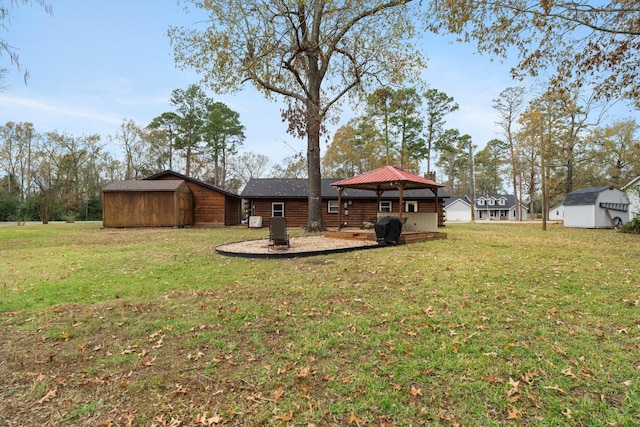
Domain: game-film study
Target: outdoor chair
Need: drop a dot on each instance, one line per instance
(278, 234)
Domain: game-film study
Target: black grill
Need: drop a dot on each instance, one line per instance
(388, 230)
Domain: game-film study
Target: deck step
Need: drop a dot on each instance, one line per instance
(405, 237)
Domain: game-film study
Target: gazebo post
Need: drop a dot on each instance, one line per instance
(400, 208)
(379, 196)
(340, 190)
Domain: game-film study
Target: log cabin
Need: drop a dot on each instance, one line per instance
(288, 197)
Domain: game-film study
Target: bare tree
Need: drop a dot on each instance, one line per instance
(312, 53)
(508, 106)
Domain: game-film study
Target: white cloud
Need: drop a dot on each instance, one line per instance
(17, 108)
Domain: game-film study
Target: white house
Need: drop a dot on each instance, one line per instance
(489, 207)
(498, 207)
(556, 213)
(596, 207)
(457, 209)
(633, 193)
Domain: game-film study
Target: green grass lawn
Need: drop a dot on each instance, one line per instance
(499, 324)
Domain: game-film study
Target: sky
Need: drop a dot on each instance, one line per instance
(95, 63)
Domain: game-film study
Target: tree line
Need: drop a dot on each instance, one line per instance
(556, 142)
(559, 140)
(313, 54)
(58, 176)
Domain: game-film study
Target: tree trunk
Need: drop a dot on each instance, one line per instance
(314, 215)
(514, 178)
(188, 161)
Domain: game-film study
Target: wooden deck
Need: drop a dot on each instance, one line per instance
(405, 236)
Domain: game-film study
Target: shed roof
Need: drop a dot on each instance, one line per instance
(453, 200)
(584, 196)
(387, 178)
(131, 186)
(195, 181)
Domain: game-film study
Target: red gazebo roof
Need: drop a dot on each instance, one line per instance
(387, 178)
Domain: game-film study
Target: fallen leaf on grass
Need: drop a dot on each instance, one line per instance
(513, 413)
(277, 395)
(49, 396)
(304, 372)
(529, 376)
(560, 351)
(147, 362)
(179, 390)
(355, 420)
(514, 386)
(556, 388)
(129, 417)
(205, 420)
(586, 372)
(493, 379)
(285, 417)
(567, 372)
(414, 391)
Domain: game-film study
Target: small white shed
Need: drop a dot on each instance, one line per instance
(633, 193)
(458, 209)
(596, 207)
(556, 213)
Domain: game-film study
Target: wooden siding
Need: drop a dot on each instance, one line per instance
(148, 208)
(360, 211)
(232, 211)
(211, 207)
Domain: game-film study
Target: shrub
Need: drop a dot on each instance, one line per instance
(632, 226)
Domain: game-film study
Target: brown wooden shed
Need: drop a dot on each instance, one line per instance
(212, 206)
(147, 204)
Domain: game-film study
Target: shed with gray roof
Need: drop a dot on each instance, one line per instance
(596, 207)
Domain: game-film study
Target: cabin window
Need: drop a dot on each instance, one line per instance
(492, 202)
(411, 206)
(480, 201)
(277, 209)
(385, 206)
(332, 206)
(501, 202)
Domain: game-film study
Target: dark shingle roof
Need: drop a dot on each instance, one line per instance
(168, 185)
(584, 196)
(290, 188)
(186, 178)
(509, 202)
(452, 200)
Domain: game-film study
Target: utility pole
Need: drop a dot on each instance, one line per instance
(543, 175)
(472, 181)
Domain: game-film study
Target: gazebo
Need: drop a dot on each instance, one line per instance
(386, 178)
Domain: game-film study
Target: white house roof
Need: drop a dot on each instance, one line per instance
(450, 201)
(509, 202)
